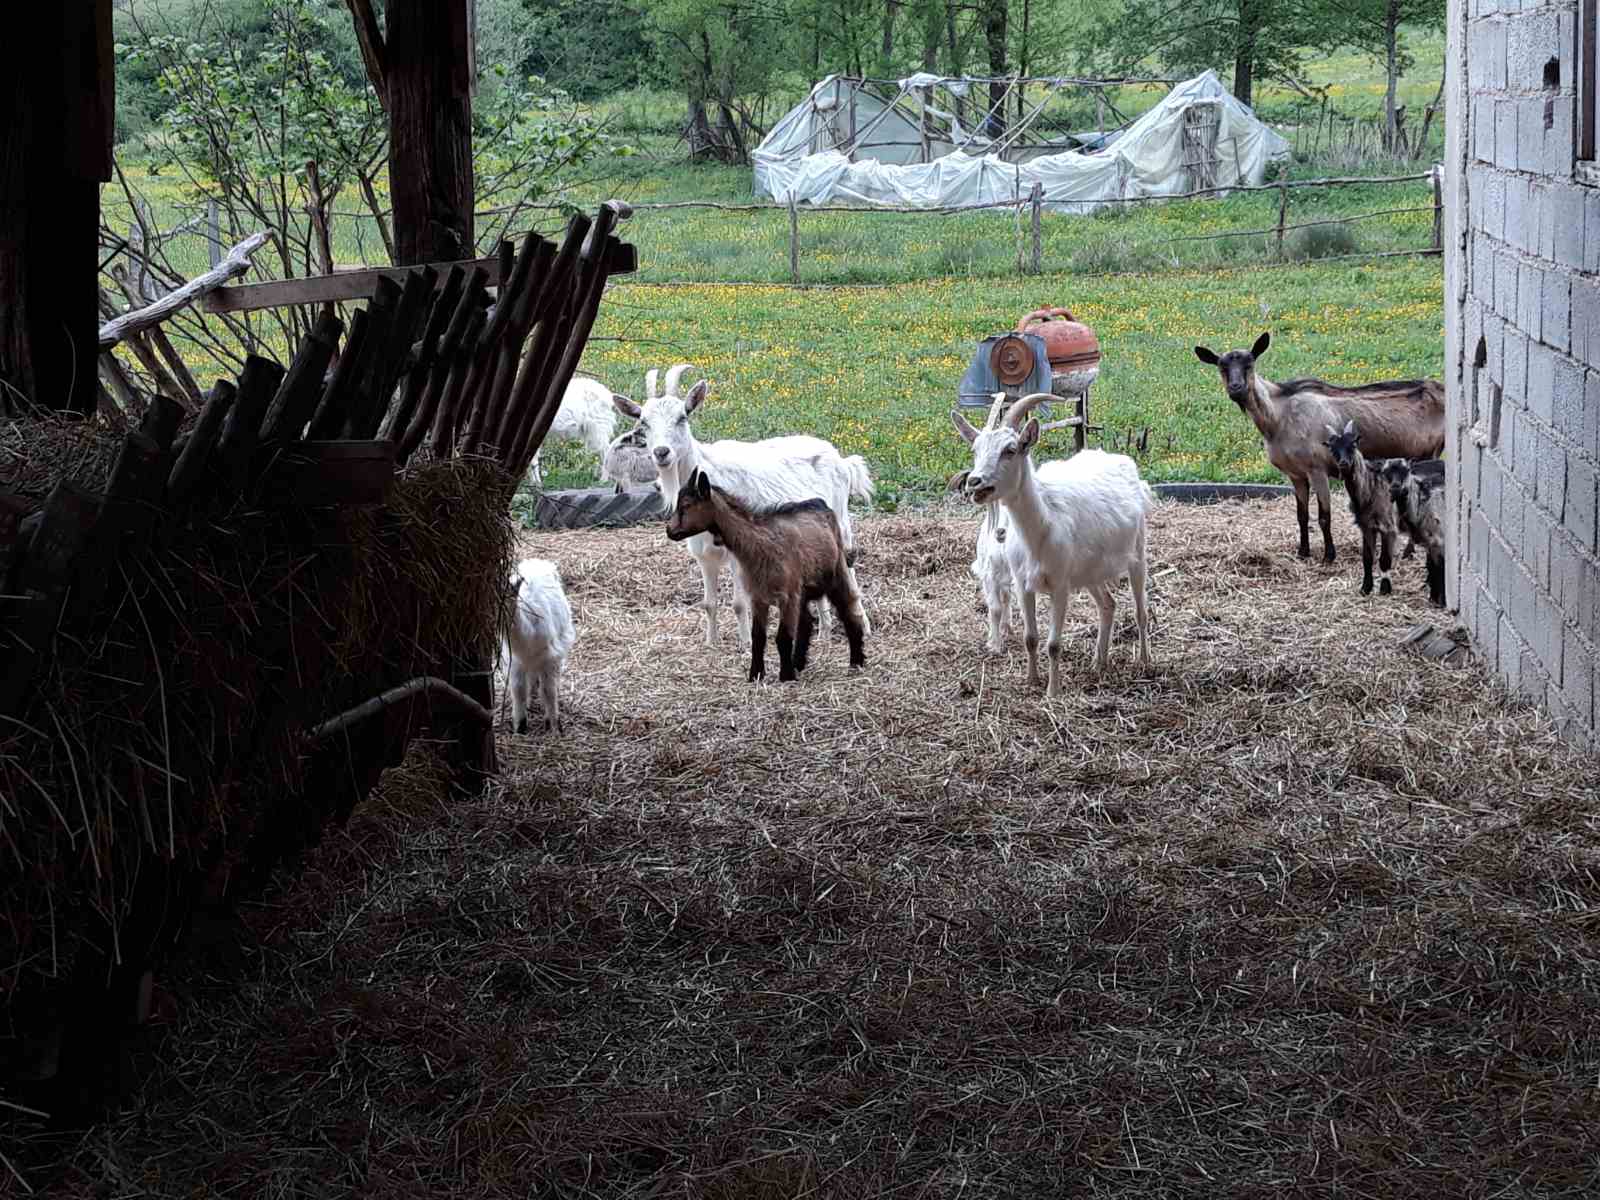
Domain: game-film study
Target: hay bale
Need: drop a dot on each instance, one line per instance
(159, 758)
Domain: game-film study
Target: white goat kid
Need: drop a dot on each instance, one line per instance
(759, 474)
(587, 414)
(1082, 523)
(537, 641)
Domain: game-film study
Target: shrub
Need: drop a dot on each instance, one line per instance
(1324, 241)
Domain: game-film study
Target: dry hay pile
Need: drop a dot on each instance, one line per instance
(1292, 912)
(159, 758)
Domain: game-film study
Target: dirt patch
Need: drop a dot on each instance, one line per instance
(1292, 911)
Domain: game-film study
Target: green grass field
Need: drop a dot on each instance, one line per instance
(875, 369)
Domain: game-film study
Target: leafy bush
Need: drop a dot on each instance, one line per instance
(1324, 241)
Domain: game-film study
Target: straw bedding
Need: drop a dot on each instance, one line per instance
(1292, 912)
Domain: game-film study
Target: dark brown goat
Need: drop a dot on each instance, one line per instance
(1419, 504)
(788, 556)
(1401, 418)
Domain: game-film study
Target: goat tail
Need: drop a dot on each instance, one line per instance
(860, 477)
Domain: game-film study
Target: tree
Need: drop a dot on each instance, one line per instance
(1375, 27)
(1255, 38)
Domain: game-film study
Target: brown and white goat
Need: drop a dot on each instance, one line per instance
(1370, 503)
(789, 555)
(1419, 504)
(1401, 418)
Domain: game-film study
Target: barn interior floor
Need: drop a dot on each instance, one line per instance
(1293, 911)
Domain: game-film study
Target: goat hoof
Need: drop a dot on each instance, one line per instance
(1304, 552)
(522, 726)
(1366, 587)
(1328, 556)
(1385, 588)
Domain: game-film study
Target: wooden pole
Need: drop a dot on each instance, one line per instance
(1438, 208)
(1283, 216)
(1036, 200)
(428, 95)
(794, 240)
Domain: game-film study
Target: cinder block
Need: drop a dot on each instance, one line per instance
(1566, 577)
(1522, 216)
(1591, 413)
(1536, 530)
(1489, 207)
(1585, 315)
(1582, 502)
(1505, 141)
(1544, 194)
(1478, 541)
(1505, 286)
(1494, 334)
(1591, 231)
(1541, 380)
(1552, 487)
(1558, 137)
(1514, 503)
(1532, 683)
(1567, 202)
(1481, 148)
(1490, 484)
(1485, 624)
(1546, 642)
(1577, 677)
(1508, 655)
(1567, 46)
(1506, 442)
(1555, 322)
(1566, 395)
(1530, 132)
(1501, 569)
(1530, 298)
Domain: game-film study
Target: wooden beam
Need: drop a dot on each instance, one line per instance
(621, 259)
(235, 262)
(370, 38)
(318, 289)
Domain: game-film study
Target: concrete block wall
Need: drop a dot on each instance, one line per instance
(1522, 312)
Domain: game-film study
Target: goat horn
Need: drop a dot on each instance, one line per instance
(673, 375)
(1025, 406)
(650, 384)
(994, 411)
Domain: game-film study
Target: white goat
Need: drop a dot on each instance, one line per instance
(537, 641)
(1079, 523)
(628, 460)
(586, 415)
(992, 559)
(761, 474)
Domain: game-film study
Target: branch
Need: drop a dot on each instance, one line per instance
(237, 262)
(372, 48)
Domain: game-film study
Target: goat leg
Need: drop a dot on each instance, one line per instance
(802, 641)
(758, 644)
(1436, 578)
(1030, 637)
(1302, 513)
(786, 671)
(1319, 483)
(1368, 536)
(847, 603)
(1385, 563)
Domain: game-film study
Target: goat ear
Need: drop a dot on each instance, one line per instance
(1261, 345)
(968, 433)
(696, 396)
(1206, 355)
(1349, 427)
(958, 482)
(702, 485)
(625, 406)
(1030, 433)
(1332, 432)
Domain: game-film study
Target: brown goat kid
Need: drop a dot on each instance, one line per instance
(1370, 503)
(788, 556)
(1398, 419)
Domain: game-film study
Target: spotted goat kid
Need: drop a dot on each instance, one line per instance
(1419, 504)
(788, 556)
(537, 641)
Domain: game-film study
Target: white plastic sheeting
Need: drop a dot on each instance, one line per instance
(1146, 159)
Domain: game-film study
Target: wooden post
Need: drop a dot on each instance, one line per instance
(922, 123)
(1283, 215)
(56, 106)
(1036, 200)
(428, 85)
(794, 240)
(1438, 207)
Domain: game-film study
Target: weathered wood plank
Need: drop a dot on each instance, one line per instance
(297, 396)
(329, 417)
(318, 474)
(315, 289)
(258, 383)
(190, 468)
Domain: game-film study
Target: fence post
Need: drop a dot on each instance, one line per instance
(1036, 199)
(794, 240)
(1438, 207)
(1283, 215)
(213, 235)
